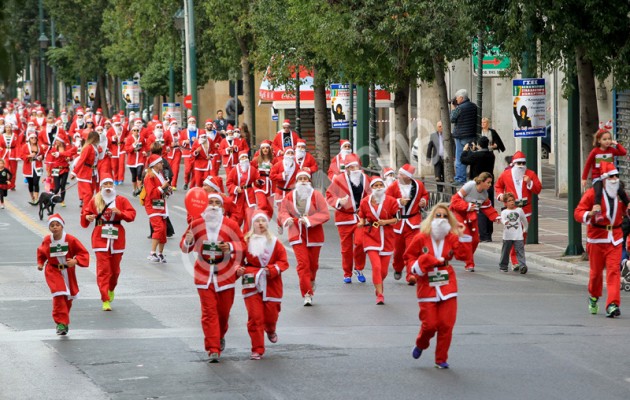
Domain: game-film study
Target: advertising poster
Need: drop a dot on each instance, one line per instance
(76, 95)
(174, 110)
(340, 105)
(131, 94)
(529, 107)
(27, 91)
(91, 89)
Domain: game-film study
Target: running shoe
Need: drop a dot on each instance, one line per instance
(360, 276)
(613, 310)
(592, 305)
(273, 337)
(442, 365)
(416, 353)
(106, 306)
(153, 258)
(214, 358)
(308, 300)
(347, 280)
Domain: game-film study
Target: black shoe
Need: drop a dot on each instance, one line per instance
(185, 186)
(503, 269)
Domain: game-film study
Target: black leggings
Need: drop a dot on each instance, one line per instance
(136, 173)
(33, 183)
(60, 185)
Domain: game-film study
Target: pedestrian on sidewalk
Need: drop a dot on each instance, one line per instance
(464, 116)
(5, 181)
(435, 155)
(261, 272)
(604, 240)
(59, 254)
(107, 210)
(441, 239)
(515, 226)
(218, 242)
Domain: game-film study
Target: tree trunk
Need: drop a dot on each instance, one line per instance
(247, 105)
(157, 103)
(449, 166)
(101, 98)
(589, 114)
(322, 143)
(401, 123)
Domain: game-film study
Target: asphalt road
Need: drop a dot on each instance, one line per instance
(517, 336)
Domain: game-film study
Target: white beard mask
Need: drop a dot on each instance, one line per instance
(192, 127)
(79, 121)
(159, 133)
(518, 171)
(405, 190)
(440, 227)
(212, 215)
(355, 177)
(230, 137)
(389, 180)
(64, 118)
(345, 152)
(612, 187)
(303, 190)
(108, 194)
(202, 140)
(378, 195)
(244, 165)
(300, 153)
(173, 129)
(237, 135)
(288, 161)
(257, 245)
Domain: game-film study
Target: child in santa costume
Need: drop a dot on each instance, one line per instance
(157, 191)
(218, 242)
(261, 271)
(303, 212)
(59, 254)
(107, 210)
(439, 241)
(377, 215)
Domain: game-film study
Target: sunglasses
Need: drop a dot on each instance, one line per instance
(440, 215)
(520, 163)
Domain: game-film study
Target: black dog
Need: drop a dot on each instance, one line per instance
(47, 201)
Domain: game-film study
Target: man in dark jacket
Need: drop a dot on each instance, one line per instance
(481, 159)
(464, 116)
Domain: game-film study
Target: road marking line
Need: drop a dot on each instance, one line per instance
(26, 220)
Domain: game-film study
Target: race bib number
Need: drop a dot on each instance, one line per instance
(265, 167)
(342, 167)
(109, 232)
(55, 171)
(59, 250)
(212, 250)
(249, 281)
(158, 204)
(438, 278)
(39, 171)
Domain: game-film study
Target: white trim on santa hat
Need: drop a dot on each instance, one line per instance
(57, 218)
(154, 163)
(375, 180)
(105, 180)
(215, 196)
(257, 215)
(403, 171)
(208, 182)
(264, 144)
(303, 173)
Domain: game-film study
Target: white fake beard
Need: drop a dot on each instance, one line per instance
(299, 153)
(287, 162)
(173, 129)
(257, 245)
(389, 180)
(304, 190)
(344, 153)
(192, 128)
(212, 216)
(79, 121)
(355, 177)
(108, 194)
(378, 195)
(244, 165)
(612, 187)
(440, 227)
(518, 172)
(405, 190)
(159, 133)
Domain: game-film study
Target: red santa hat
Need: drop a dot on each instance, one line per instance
(116, 119)
(242, 154)
(39, 110)
(99, 111)
(56, 218)
(265, 143)
(343, 142)
(121, 112)
(229, 128)
(352, 159)
(387, 171)
(192, 118)
(212, 182)
(304, 172)
(607, 169)
(259, 214)
(215, 196)
(156, 118)
(172, 121)
(300, 142)
(407, 170)
(154, 159)
(137, 121)
(374, 180)
(286, 122)
(99, 128)
(88, 119)
(289, 149)
(31, 135)
(106, 178)
(2, 117)
(209, 121)
(519, 156)
(80, 111)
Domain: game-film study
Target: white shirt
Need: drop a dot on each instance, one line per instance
(515, 223)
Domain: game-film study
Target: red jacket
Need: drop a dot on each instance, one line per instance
(203, 155)
(33, 161)
(340, 188)
(85, 166)
(423, 258)
(308, 162)
(62, 282)
(264, 171)
(609, 231)
(229, 151)
(410, 215)
(221, 273)
(155, 200)
(127, 214)
(13, 144)
(337, 166)
(166, 143)
(380, 239)
(135, 149)
(116, 143)
(62, 159)
(247, 181)
(524, 193)
(316, 214)
(187, 140)
(282, 183)
(598, 155)
(467, 214)
(268, 285)
(278, 146)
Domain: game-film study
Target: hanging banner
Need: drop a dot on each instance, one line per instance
(131, 94)
(174, 110)
(76, 95)
(340, 105)
(529, 107)
(91, 88)
(27, 90)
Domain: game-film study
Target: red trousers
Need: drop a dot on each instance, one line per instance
(107, 271)
(118, 168)
(351, 239)
(216, 165)
(380, 264)
(61, 310)
(174, 163)
(158, 224)
(262, 317)
(11, 165)
(402, 243)
(199, 178)
(600, 256)
(86, 191)
(188, 169)
(472, 229)
(215, 312)
(437, 317)
(307, 266)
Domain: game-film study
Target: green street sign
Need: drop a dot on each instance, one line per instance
(494, 61)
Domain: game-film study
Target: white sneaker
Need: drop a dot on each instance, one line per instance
(308, 300)
(162, 258)
(153, 258)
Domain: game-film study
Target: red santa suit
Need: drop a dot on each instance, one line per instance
(108, 239)
(85, 171)
(378, 241)
(203, 156)
(283, 174)
(338, 162)
(306, 234)
(410, 217)
(264, 295)
(437, 288)
(155, 202)
(136, 150)
(265, 193)
(116, 146)
(33, 166)
(187, 138)
(61, 279)
(283, 140)
(174, 156)
(228, 150)
(11, 146)
(350, 236)
(604, 240)
(510, 181)
(60, 167)
(246, 182)
(215, 275)
(214, 139)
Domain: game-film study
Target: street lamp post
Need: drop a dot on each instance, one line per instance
(43, 45)
(54, 71)
(192, 52)
(178, 20)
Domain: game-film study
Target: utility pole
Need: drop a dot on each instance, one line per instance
(54, 70)
(43, 44)
(573, 158)
(363, 121)
(192, 53)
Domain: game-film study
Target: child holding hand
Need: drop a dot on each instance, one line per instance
(515, 225)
